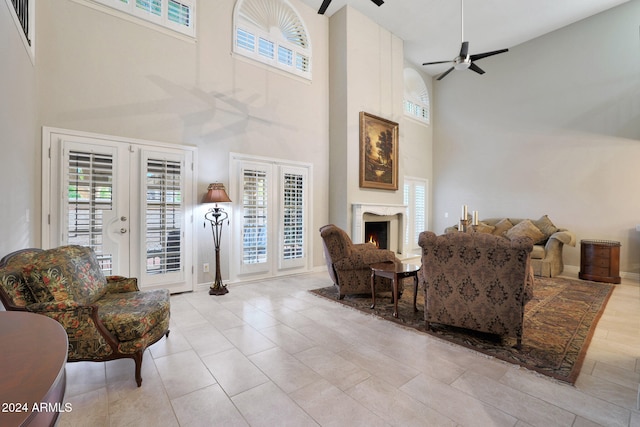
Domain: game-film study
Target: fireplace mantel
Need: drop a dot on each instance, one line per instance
(360, 209)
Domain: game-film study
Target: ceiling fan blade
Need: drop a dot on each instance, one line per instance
(378, 2)
(478, 56)
(437, 62)
(443, 75)
(464, 49)
(475, 68)
(323, 7)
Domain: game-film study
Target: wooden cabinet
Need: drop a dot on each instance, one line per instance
(600, 261)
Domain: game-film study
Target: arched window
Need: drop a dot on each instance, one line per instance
(270, 31)
(416, 96)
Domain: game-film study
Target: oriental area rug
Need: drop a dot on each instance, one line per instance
(558, 324)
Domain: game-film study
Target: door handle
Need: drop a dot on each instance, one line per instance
(123, 230)
(123, 218)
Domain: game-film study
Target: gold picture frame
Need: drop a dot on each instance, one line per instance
(378, 152)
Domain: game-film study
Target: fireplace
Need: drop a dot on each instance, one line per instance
(393, 216)
(377, 232)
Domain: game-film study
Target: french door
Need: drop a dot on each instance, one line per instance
(129, 200)
(271, 217)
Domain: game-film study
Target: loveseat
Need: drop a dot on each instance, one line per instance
(476, 281)
(105, 317)
(549, 240)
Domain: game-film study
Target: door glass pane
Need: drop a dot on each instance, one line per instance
(89, 182)
(255, 217)
(163, 216)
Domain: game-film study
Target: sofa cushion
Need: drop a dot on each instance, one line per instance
(525, 228)
(131, 315)
(483, 227)
(67, 272)
(502, 227)
(545, 225)
(537, 252)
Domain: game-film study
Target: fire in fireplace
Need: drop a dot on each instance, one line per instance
(377, 232)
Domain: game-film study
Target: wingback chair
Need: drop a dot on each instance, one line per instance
(476, 281)
(348, 263)
(105, 317)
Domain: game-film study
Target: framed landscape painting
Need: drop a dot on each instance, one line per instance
(378, 152)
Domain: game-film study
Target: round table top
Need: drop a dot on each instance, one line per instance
(395, 267)
(32, 362)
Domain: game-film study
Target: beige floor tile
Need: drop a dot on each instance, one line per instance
(337, 370)
(531, 410)
(89, 408)
(287, 338)
(207, 407)
(267, 405)
(248, 340)
(397, 407)
(183, 373)
(284, 370)
(234, 371)
(330, 406)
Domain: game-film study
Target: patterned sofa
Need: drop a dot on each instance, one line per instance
(105, 317)
(476, 281)
(348, 263)
(549, 240)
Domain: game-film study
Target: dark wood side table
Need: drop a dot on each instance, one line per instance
(394, 271)
(600, 261)
(32, 369)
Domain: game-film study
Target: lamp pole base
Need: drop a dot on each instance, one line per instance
(218, 290)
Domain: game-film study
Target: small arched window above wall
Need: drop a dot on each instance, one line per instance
(271, 32)
(416, 97)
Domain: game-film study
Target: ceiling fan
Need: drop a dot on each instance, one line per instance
(464, 60)
(325, 5)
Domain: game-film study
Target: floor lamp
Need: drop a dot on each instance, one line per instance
(216, 216)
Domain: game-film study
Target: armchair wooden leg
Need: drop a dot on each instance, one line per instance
(137, 357)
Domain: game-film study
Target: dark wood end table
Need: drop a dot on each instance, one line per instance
(394, 271)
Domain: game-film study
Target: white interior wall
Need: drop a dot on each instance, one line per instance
(367, 75)
(553, 128)
(99, 73)
(19, 141)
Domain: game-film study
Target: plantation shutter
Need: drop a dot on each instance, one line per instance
(293, 213)
(89, 180)
(163, 214)
(255, 218)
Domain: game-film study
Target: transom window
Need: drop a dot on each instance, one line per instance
(271, 32)
(416, 96)
(177, 15)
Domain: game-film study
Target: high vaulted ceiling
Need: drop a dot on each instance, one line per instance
(431, 29)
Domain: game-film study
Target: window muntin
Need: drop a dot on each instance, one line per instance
(282, 37)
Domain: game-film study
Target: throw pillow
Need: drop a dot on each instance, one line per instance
(502, 226)
(47, 285)
(525, 228)
(484, 228)
(545, 225)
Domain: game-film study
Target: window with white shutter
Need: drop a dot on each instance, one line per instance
(283, 40)
(272, 215)
(173, 14)
(415, 197)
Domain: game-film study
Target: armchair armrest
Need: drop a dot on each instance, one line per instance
(119, 284)
(89, 339)
(564, 236)
(364, 258)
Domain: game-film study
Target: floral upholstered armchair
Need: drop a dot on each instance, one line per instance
(105, 317)
(476, 281)
(348, 263)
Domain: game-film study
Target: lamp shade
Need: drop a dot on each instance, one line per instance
(216, 194)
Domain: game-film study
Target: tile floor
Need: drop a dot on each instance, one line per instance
(271, 354)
